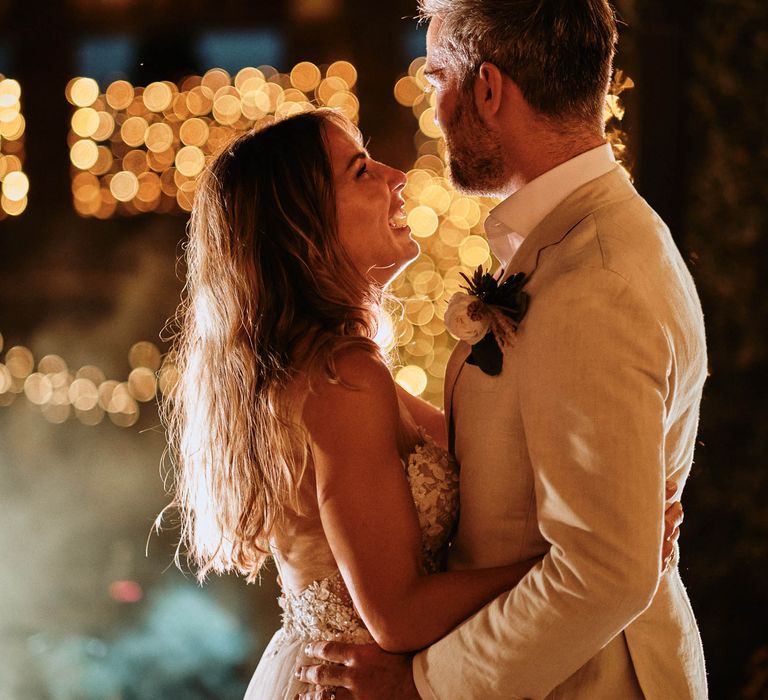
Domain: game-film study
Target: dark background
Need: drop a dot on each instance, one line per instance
(77, 503)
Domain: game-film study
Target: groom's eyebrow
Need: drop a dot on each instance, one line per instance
(432, 72)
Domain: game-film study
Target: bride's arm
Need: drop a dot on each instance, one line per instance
(427, 416)
(370, 520)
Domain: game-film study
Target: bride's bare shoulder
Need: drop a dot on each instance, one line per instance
(362, 390)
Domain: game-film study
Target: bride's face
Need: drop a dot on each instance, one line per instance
(369, 209)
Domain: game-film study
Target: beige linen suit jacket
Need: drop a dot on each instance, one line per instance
(564, 456)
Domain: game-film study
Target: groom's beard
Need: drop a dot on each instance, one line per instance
(475, 155)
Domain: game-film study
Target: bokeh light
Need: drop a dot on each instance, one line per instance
(136, 150)
(412, 378)
(450, 230)
(86, 394)
(14, 183)
(449, 227)
(125, 134)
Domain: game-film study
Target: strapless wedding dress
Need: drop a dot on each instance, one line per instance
(315, 602)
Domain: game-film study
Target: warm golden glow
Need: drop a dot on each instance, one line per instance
(190, 161)
(103, 162)
(305, 76)
(158, 96)
(85, 122)
(227, 109)
(19, 361)
(124, 186)
(133, 130)
(449, 228)
(215, 78)
(474, 251)
(86, 394)
(136, 162)
(428, 124)
(194, 132)
(14, 208)
(120, 94)
(168, 379)
(144, 354)
(83, 92)
(83, 394)
(164, 133)
(14, 184)
(344, 70)
(329, 87)
(38, 388)
(412, 378)
(84, 154)
(10, 92)
(423, 221)
(6, 380)
(159, 137)
(139, 150)
(142, 384)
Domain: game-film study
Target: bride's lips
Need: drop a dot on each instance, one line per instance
(398, 218)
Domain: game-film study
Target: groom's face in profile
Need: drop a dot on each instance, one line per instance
(474, 152)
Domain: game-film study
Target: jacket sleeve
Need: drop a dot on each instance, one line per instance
(592, 365)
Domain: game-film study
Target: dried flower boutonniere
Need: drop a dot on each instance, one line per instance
(487, 316)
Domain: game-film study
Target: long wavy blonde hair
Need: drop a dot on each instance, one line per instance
(269, 292)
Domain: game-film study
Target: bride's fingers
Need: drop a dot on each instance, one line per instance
(325, 674)
(670, 489)
(668, 548)
(673, 517)
(325, 694)
(334, 652)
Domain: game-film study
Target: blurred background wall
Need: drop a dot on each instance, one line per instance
(90, 603)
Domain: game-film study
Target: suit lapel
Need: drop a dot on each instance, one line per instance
(612, 187)
(453, 369)
(606, 189)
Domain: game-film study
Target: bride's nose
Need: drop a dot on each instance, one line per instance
(397, 179)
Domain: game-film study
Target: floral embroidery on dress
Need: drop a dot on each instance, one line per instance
(324, 610)
(434, 481)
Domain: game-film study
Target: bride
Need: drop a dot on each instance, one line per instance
(289, 437)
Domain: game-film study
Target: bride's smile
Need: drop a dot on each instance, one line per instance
(370, 210)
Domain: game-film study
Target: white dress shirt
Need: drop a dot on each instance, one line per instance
(511, 221)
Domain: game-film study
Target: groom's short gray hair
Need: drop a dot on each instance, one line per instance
(558, 52)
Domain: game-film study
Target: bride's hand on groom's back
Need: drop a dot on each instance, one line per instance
(366, 672)
(673, 518)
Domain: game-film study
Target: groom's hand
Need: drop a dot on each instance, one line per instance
(358, 671)
(365, 672)
(673, 518)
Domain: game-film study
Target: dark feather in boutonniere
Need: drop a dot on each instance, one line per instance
(487, 317)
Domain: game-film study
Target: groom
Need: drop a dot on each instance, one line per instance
(563, 454)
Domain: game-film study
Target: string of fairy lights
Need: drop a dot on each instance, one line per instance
(140, 149)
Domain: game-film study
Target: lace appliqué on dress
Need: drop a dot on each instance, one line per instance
(323, 610)
(434, 481)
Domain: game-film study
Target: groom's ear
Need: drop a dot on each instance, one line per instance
(489, 86)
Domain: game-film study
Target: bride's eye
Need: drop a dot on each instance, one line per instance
(363, 169)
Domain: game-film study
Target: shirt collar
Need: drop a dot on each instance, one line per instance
(513, 219)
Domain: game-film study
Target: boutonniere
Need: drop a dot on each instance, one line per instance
(487, 316)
